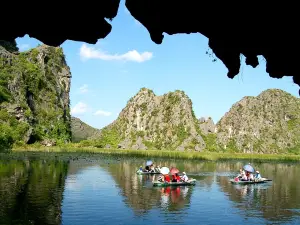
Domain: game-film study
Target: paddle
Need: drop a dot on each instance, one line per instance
(265, 179)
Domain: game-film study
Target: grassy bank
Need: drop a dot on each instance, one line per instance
(167, 154)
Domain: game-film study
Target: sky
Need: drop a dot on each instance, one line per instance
(106, 75)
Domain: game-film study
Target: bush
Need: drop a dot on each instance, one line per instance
(6, 138)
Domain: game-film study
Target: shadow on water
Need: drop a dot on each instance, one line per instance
(31, 192)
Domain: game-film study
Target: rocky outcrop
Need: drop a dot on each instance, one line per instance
(268, 123)
(155, 122)
(34, 95)
(207, 125)
(81, 130)
(263, 32)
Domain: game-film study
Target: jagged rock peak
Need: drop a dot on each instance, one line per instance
(268, 123)
(159, 122)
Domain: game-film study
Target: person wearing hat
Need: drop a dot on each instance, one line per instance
(257, 175)
(184, 177)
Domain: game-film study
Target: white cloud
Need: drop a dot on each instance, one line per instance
(133, 55)
(102, 113)
(24, 47)
(83, 88)
(79, 108)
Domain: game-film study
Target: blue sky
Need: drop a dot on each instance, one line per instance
(106, 75)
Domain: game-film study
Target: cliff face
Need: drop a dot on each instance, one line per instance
(34, 96)
(268, 123)
(81, 130)
(155, 122)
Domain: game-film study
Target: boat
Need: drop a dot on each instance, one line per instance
(164, 184)
(262, 180)
(146, 173)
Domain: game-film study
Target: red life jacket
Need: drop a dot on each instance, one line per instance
(167, 178)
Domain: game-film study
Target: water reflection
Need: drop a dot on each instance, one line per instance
(141, 196)
(31, 191)
(273, 201)
(110, 192)
(175, 198)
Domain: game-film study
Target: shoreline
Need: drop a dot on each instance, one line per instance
(209, 156)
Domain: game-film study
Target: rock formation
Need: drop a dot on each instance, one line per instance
(268, 123)
(155, 122)
(207, 125)
(34, 96)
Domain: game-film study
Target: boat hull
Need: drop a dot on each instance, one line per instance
(264, 180)
(146, 173)
(164, 184)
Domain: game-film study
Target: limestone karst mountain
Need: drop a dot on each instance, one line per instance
(268, 123)
(34, 96)
(155, 122)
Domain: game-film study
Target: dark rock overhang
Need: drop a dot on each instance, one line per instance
(233, 28)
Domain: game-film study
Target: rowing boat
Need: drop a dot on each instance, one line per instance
(259, 181)
(164, 184)
(145, 173)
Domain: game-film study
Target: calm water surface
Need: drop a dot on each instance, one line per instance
(107, 191)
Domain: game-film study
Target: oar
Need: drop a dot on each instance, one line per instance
(265, 179)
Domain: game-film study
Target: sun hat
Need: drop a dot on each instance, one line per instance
(257, 171)
(183, 172)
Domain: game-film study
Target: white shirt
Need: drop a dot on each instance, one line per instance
(184, 177)
(251, 176)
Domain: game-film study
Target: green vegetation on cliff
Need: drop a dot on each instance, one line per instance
(34, 97)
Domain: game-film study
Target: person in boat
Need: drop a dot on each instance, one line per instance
(241, 174)
(244, 177)
(147, 168)
(141, 169)
(157, 169)
(184, 177)
(257, 175)
(164, 178)
(176, 178)
(250, 176)
(151, 169)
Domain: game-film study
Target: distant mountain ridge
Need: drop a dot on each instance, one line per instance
(82, 131)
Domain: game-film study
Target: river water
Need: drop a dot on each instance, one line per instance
(101, 190)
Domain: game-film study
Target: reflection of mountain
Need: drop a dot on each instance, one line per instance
(31, 192)
(139, 193)
(274, 201)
